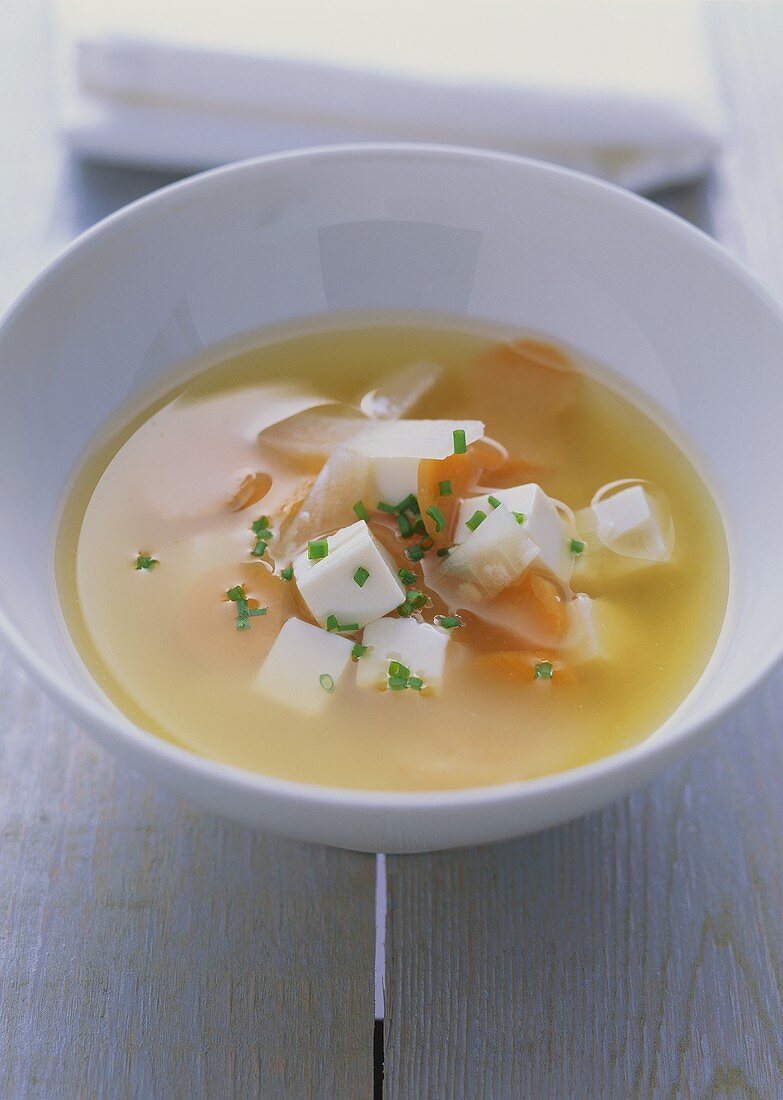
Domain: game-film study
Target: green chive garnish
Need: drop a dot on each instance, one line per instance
(494, 502)
(544, 670)
(414, 553)
(359, 650)
(476, 519)
(576, 546)
(435, 514)
(406, 576)
(405, 610)
(288, 573)
(460, 443)
(445, 489)
(259, 549)
(397, 684)
(236, 593)
(419, 527)
(416, 683)
(405, 525)
(519, 516)
(144, 561)
(361, 510)
(390, 509)
(327, 682)
(448, 622)
(260, 527)
(396, 669)
(257, 611)
(334, 624)
(361, 575)
(444, 551)
(415, 598)
(410, 504)
(317, 549)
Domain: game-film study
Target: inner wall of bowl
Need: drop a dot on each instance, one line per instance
(473, 236)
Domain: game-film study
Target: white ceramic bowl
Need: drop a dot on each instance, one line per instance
(394, 227)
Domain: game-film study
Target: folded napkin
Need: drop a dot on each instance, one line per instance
(621, 89)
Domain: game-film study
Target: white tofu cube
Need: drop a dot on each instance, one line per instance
(627, 523)
(304, 667)
(418, 646)
(396, 448)
(329, 585)
(543, 524)
(492, 557)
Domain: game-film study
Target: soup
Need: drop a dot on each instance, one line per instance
(393, 555)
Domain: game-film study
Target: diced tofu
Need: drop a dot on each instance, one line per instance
(492, 557)
(627, 524)
(418, 646)
(543, 524)
(328, 585)
(304, 667)
(396, 448)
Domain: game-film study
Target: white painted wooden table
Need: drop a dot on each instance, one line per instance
(150, 950)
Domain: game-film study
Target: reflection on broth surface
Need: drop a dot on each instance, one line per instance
(248, 497)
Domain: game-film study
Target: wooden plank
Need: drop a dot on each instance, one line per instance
(639, 951)
(148, 949)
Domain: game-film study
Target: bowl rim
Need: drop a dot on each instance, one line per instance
(186, 762)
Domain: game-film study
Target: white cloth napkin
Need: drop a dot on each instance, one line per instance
(621, 89)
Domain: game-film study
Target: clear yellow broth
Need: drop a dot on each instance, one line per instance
(163, 644)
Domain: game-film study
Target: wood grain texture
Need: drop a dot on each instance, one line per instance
(151, 950)
(637, 952)
(147, 949)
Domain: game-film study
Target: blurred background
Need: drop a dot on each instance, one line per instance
(103, 102)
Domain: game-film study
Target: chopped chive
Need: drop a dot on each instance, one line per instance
(361, 510)
(445, 489)
(493, 501)
(361, 575)
(327, 682)
(390, 509)
(519, 516)
(414, 553)
(416, 683)
(317, 549)
(405, 610)
(145, 562)
(448, 622)
(444, 551)
(405, 525)
(359, 650)
(334, 624)
(406, 576)
(397, 684)
(410, 504)
(576, 546)
(476, 519)
(396, 669)
(243, 615)
(236, 593)
(257, 611)
(259, 549)
(415, 599)
(420, 528)
(261, 527)
(435, 514)
(460, 443)
(288, 573)
(544, 670)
